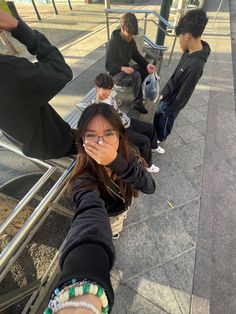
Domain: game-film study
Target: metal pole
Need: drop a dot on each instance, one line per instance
(70, 6)
(180, 11)
(107, 4)
(36, 10)
(217, 12)
(54, 7)
(164, 12)
(145, 24)
(27, 198)
(108, 30)
(15, 243)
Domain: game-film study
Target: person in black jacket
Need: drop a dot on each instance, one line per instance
(88, 252)
(104, 161)
(121, 49)
(140, 133)
(181, 84)
(27, 87)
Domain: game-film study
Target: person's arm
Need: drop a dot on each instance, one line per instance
(111, 65)
(137, 57)
(88, 252)
(51, 72)
(189, 83)
(133, 173)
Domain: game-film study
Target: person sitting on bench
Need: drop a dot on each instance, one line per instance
(121, 49)
(27, 87)
(141, 134)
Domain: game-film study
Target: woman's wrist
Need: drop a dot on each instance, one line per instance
(88, 298)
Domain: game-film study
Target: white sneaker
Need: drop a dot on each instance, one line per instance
(153, 169)
(159, 150)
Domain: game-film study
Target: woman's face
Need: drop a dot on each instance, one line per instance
(99, 129)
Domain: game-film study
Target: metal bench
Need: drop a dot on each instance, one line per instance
(48, 203)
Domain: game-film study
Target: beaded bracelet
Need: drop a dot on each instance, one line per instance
(77, 289)
(73, 304)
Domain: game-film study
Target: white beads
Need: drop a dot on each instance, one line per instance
(73, 304)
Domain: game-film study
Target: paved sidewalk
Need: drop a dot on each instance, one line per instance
(182, 259)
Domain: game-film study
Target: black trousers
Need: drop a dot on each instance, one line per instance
(133, 80)
(143, 136)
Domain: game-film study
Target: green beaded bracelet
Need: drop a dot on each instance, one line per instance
(78, 289)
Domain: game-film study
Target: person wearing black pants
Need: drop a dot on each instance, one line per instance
(133, 80)
(121, 49)
(141, 134)
(146, 140)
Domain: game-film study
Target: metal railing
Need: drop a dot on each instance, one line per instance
(8, 255)
(47, 204)
(159, 49)
(146, 12)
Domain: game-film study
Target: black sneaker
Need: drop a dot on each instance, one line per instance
(140, 108)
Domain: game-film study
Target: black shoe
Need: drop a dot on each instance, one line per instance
(140, 108)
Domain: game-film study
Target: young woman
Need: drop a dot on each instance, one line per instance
(105, 163)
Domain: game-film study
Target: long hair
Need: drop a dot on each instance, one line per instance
(129, 22)
(88, 168)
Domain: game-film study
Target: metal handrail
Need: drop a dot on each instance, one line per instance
(142, 11)
(25, 200)
(17, 151)
(153, 45)
(147, 11)
(15, 243)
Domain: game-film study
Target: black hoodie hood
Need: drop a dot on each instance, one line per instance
(202, 54)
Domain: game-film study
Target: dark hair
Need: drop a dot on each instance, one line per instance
(87, 167)
(193, 22)
(104, 80)
(129, 22)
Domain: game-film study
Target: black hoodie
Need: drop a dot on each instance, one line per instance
(26, 88)
(180, 86)
(120, 52)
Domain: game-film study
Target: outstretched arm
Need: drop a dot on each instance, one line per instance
(88, 252)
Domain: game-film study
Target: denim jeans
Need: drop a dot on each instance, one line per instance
(163, 124)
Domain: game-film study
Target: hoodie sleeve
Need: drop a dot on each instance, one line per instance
(137, 57)
(111, 66)
(185, 92)
(133, 173)
(89, 241)
(51, 72)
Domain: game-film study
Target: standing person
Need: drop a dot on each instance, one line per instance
(181, 84)
(121, 49)
(27, 87)
(139, 133)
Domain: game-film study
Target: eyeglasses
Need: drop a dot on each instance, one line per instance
(110, 137)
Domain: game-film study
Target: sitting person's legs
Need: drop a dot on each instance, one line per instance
(133, 80)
